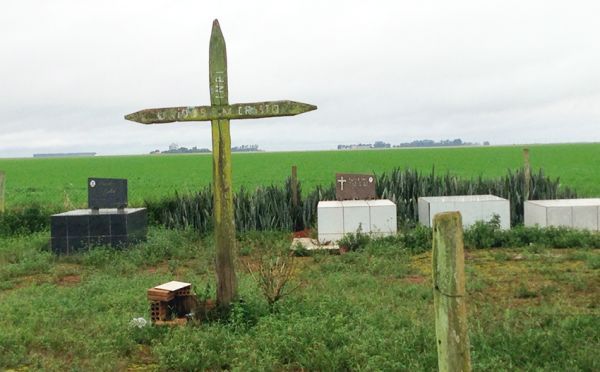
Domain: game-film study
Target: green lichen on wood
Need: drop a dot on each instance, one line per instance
(223, 195)
(2, 180)
(252, 110)
(449, 293)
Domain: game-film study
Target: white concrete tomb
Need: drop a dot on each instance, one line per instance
(576, 213)
(472, 208)
(337, 218)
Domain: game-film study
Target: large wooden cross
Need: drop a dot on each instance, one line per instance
(219, 113)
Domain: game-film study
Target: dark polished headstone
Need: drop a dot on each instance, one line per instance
(351, 186)
(79, 229)
(107, 193)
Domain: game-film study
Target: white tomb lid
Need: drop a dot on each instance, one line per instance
(462, 198)
(590, 202)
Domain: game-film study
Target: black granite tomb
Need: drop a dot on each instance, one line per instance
(107, 222)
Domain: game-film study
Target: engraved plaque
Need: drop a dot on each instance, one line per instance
(350, 186)
(107, 193)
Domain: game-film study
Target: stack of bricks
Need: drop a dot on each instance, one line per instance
(168, 302)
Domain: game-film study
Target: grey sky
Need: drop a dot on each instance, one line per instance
(503, 71)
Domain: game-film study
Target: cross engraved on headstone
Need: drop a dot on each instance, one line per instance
(342, 181)
(219, 113)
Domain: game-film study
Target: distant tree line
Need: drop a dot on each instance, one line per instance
(182, 150)
(174, 149)
(417, 143)
(442, 143)
(245, 148)
(376, 145)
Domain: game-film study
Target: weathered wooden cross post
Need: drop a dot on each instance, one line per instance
(219, 113)
(449, 294)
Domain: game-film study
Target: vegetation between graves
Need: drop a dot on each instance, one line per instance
(529, 308)
(271, 207)
(483, 235)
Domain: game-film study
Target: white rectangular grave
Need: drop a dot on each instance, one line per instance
(472, 208)
(337, 218)
(576, 213)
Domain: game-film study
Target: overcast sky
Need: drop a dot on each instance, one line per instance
(503, 71)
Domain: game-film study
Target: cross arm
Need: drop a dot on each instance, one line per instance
(253, 110)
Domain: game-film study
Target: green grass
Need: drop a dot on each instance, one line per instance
(56, 181)
(365, 310)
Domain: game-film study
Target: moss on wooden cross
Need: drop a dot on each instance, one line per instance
(219, 113)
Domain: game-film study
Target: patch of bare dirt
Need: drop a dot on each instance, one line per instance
(68, 280)
(415, 279)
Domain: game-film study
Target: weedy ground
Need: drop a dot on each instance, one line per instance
(530, 308)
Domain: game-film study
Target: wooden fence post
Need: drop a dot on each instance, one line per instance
(294, 186)
(527, 174)
(2, 179)
(449, 293)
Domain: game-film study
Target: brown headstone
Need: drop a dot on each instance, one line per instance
(350, 186)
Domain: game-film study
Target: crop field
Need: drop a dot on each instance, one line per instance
(62, 181)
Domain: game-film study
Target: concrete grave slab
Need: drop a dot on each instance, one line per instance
(473, 208)
(574, 213)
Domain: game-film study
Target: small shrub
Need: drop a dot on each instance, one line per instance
(245, 250)
(593, 261)
(24, 221)
(300, 250)
(548, 290)
(355, 242)
(240, 316)
(273, 276)
(418, 240)
(484, 234)
(524, 292)
(501, 256)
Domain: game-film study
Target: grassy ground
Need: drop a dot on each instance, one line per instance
(529, 309)
(64, 181)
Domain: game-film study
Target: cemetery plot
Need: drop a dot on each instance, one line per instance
(355, 210)
(576, 213)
